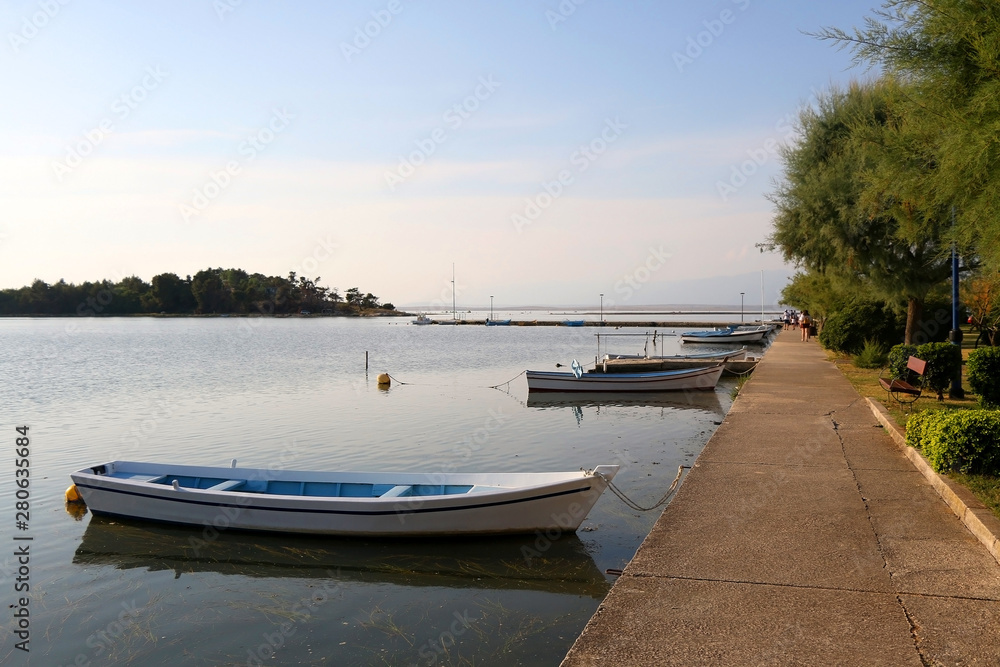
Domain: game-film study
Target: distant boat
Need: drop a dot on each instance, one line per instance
(497, 323)
(423, 319)
(727, 335)
(676, 380)
(344, 503)
(572, 323)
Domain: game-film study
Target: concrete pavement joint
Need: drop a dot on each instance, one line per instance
(879, 547)
(834, 589)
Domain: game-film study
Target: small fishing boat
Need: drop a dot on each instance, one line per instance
(702, 356)
(384, 504)
(676, 380)
(497, 323)
(423, 319)
(726, 335)
(572, 323)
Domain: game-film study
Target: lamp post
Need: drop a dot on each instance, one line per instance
(741, 306)
(602, 309)
(955, 335)
(491, 307)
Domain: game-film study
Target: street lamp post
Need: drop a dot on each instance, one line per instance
(741, 306)
(602, 309)
(491, 307)
(955, 335)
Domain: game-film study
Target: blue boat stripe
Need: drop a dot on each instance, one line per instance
(397, 510)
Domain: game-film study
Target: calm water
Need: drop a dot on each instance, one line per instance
(294, 393)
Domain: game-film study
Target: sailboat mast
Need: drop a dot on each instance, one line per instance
(762, 296)
(454, 312)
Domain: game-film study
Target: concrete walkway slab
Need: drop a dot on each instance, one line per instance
(803, 535)
(663, 621)
(828, 549)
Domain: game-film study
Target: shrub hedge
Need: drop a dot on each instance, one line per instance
(964, 440)
(983, 372)
(944, 362)
(898, 356)
(860, 321)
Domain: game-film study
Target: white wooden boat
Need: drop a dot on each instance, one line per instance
(423, 319)
(343, 503)
(676, 380)
(727, 335)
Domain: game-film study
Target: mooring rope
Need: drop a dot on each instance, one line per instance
(637, 507)
(507, 383)
(397, 381)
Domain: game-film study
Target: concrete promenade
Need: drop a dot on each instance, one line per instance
(802, 536)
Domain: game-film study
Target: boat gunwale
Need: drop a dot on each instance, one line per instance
(164, 491)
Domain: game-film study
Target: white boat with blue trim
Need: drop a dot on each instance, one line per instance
(704, 378)
(730, 334)
(384, 504)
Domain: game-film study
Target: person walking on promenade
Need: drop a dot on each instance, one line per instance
(805, 323)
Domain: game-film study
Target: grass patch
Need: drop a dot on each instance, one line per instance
(985, 487)
(865, 381)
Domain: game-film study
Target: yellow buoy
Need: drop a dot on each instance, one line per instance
(72, 495)
(383, 379)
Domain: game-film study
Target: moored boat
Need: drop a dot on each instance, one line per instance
(727, 335)
(703, 356)
(497, 323)
(704, 378)
(423, 319)
(343, 503)
(573, 323)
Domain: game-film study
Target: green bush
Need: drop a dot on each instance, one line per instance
(847, 330)
(964, 440)
(872, 355)
(916, 427)
(944, 361)
(898, 357)
(983, 370)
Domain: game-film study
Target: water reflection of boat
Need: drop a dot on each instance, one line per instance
(535, 563)
(701, 400)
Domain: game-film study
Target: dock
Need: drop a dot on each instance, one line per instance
(803, 535)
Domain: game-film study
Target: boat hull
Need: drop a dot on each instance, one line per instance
(496, 503)
(723, 337)
(704, 378)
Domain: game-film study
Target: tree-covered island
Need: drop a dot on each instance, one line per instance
(210, 291)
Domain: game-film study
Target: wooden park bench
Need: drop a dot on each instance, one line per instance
(902, 391)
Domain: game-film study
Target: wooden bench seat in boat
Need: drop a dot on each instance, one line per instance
(228, 485)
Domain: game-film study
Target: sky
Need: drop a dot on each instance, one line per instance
(551, 151)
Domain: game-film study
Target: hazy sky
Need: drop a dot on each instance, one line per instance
(551, 151)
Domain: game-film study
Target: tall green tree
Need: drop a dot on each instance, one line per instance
(829, 218)
(947, 52)
(171, 294)
(210, 292)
